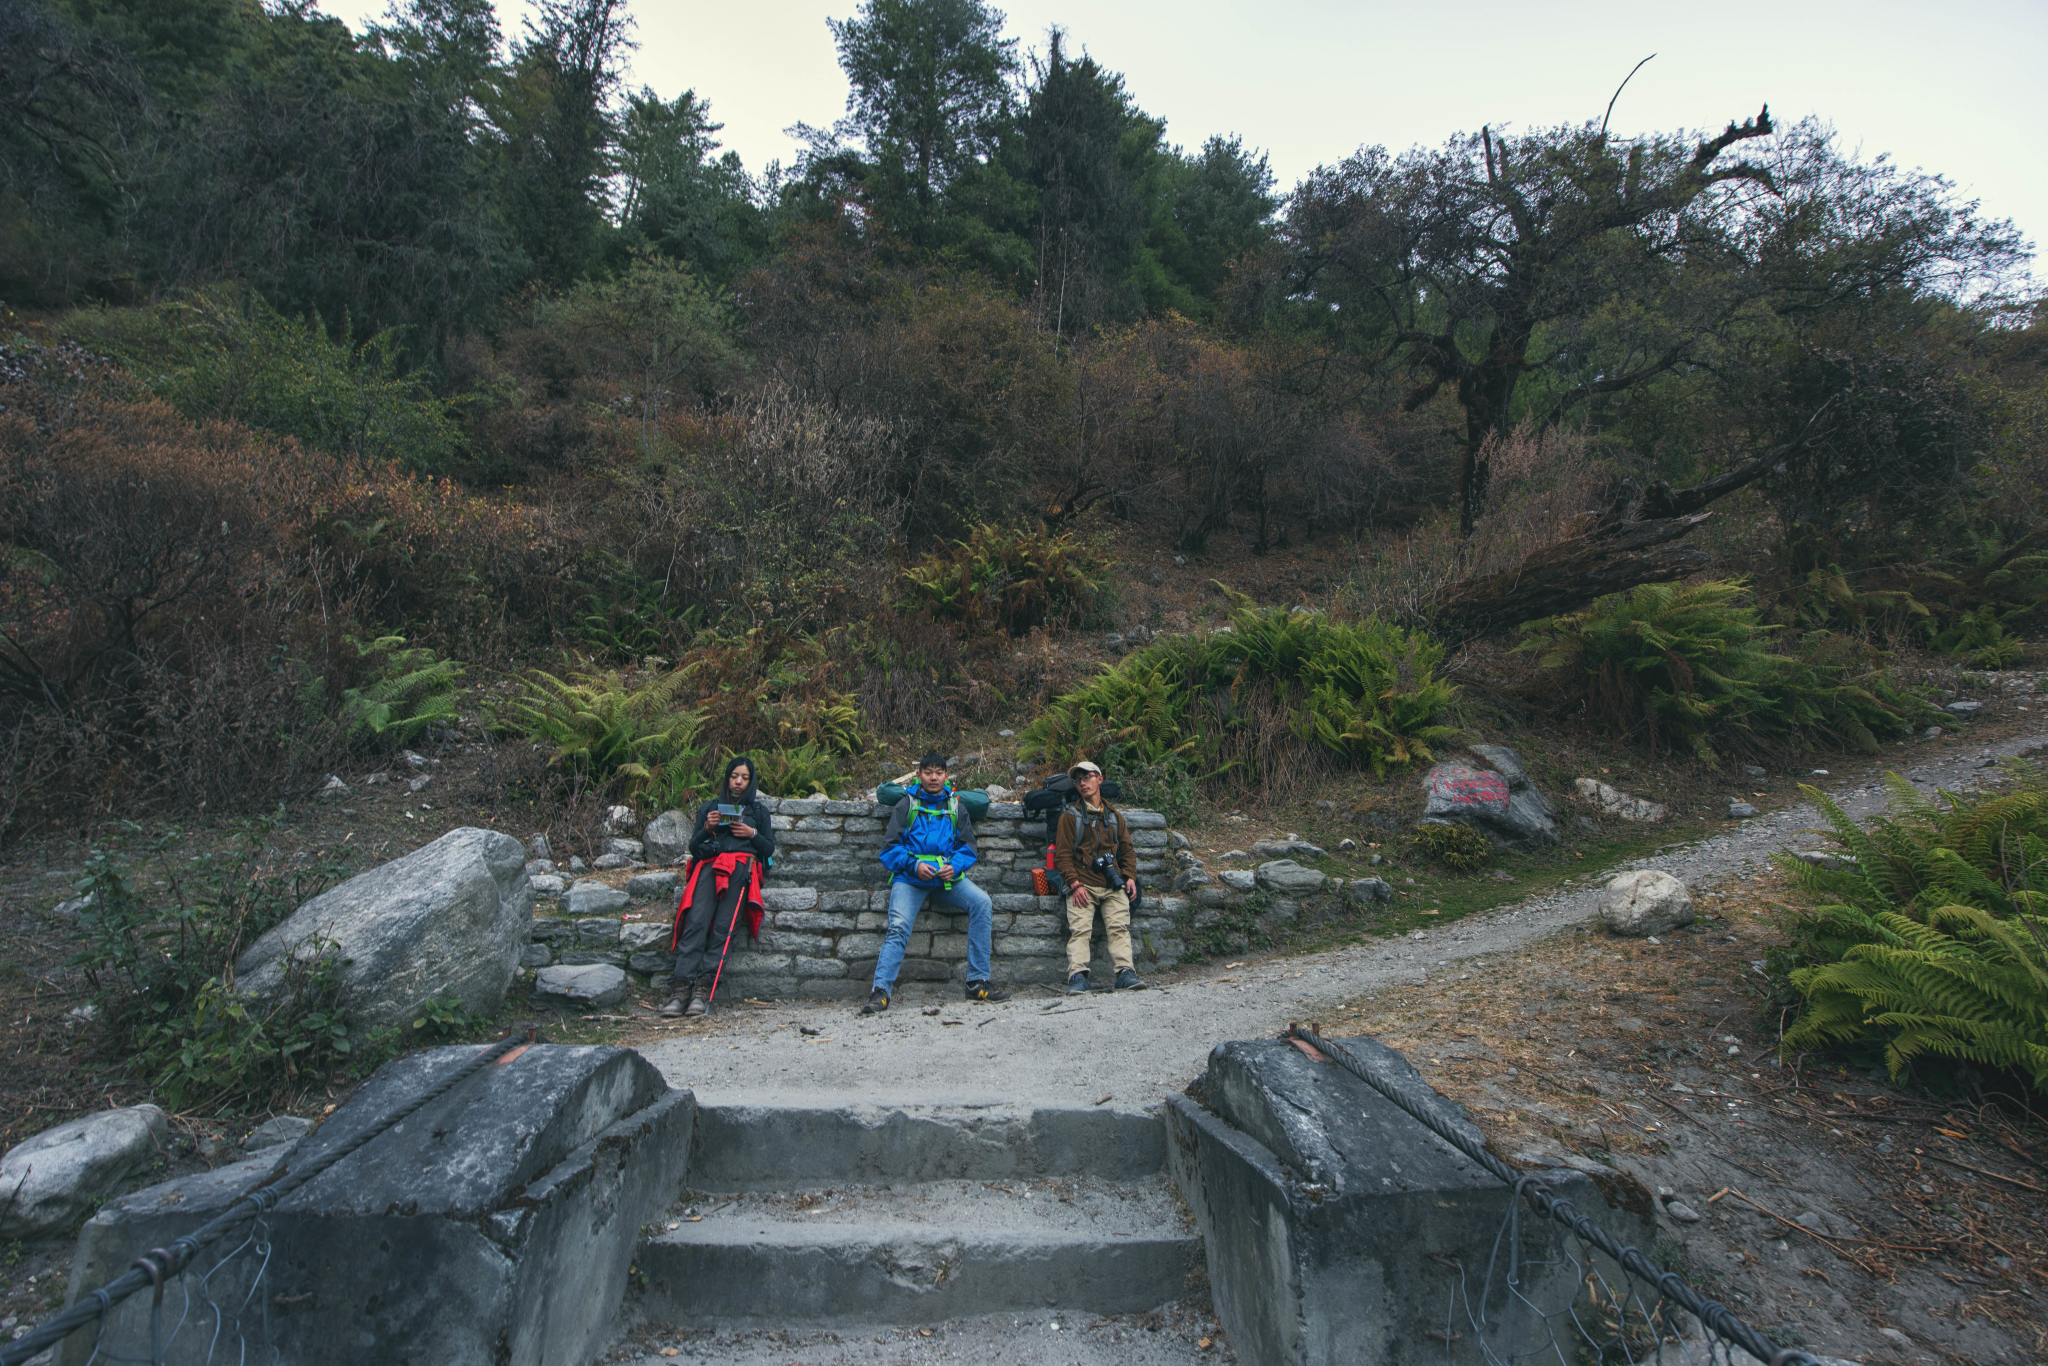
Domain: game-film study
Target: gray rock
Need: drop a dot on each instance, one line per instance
(1191, 879)
(377, 780)
(1682, 1212)
(1347, 846)
(624, 848)
(652, 963)
(651, 886)
(1822, 859)
(1365, 891)
(602, 931)
(446, 921)
(586, 986)
(333, 789)
(577, 865)
(1503, 806)
(536, 956)
(1614, 802)
(1285, 877)
(1645, 902)
(414, 760)
(549, 884)
(667, 837)
(644, 934)
(1238, 879)
(537, 847)
(56, 1178)
(1931, 733)
(591, 897)
(419, 784)
(536, 866)
(1741, 810)
(617, 818)
(1292, 848)
(546, 930)
(69, 909)
(1965, 708)
(1753, 771)
(605, 863)
(1176, 840)
(276, 1130)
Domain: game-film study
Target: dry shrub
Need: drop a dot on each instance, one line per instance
(1543, 481)
(162, 606)
(781, 508)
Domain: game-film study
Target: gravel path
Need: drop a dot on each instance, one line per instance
(1131, 1049)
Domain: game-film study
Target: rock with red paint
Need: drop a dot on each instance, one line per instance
(1498, 801)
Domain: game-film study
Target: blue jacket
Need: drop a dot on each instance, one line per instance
(917, 828)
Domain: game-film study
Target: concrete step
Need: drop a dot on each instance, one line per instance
(745, 1146)
(921, 1252)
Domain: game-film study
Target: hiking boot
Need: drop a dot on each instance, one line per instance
(700, 1001)
(1077, 984)
(982, 991)
(878, 1001)
(674, 1006)
(1127, 980)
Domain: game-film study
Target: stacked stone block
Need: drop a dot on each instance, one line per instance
(827, 907)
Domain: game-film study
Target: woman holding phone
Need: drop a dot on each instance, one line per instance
(729, 853)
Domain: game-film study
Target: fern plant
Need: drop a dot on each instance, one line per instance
(1008, 578)
(1691, 664)
(1365, 694)
(413, 688)
(1929, 938)
(604, 727)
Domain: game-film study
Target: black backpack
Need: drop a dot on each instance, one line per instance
(1057, 794)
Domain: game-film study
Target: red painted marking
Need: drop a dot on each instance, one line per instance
(1305, 1046)
(513, 1054)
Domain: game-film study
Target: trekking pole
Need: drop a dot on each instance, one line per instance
(731, 925)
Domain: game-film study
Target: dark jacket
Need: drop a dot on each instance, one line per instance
(918, 825)
(710, 843)
(1108, 832)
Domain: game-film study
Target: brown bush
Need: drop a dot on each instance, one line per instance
(163, 611)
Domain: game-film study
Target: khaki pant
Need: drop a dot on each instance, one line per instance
(1116, 921)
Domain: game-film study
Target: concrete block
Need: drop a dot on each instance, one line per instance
(789, 898)
(792, 941)
(849, 808)
(815, 920)
(1326, 1208)
(1026, 946)
(496, 1226)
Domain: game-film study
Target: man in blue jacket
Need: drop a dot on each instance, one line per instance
(928, 848)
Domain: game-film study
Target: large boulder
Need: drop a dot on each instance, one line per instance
(53, 1180)
(1499, 802)
(666, 838)
(497, 1227)
(446, 921)
(1645, 902)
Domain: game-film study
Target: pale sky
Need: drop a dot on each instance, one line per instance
(1957, 88)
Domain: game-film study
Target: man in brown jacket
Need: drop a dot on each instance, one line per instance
(1093, 853)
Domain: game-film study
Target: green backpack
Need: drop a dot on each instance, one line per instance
(975, 804)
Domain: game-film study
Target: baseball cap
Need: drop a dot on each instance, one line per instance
(1084, 766)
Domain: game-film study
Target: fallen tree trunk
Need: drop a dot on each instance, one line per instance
(1569, 574)
(1615, 550)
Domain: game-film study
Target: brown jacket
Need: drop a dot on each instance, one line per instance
(1108, 833)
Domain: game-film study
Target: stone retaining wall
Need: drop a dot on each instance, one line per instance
(828, 897)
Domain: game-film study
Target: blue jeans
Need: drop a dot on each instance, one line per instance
(905, 900)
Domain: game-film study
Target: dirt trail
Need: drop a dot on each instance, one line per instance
(1138, 1046)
